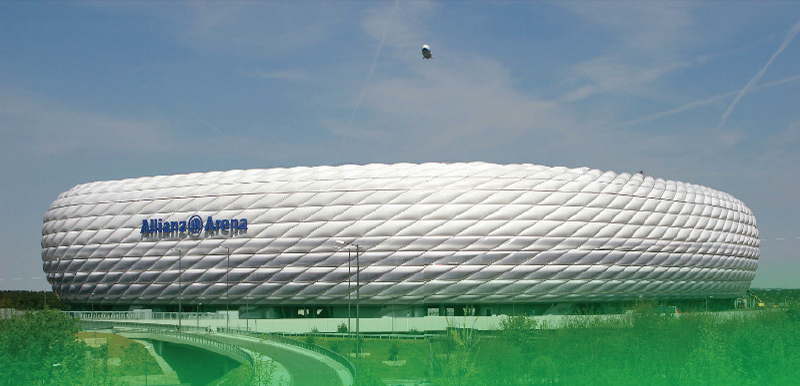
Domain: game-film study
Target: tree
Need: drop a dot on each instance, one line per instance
(265, 371)
(42, 348)
(457, 364)
(393, 351)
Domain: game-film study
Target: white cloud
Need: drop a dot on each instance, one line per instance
(657, 28)
(289, 74)
(47, 128)
(613, 73)
(648, 40)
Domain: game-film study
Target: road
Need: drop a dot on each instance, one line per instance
(303, 369)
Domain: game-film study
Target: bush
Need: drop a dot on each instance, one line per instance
(393, 351)
(310, 338)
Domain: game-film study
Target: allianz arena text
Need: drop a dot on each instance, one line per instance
(407, 235)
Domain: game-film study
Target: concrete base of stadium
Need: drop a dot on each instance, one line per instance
(383, 325)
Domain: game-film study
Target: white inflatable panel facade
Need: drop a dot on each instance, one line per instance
(462, 233)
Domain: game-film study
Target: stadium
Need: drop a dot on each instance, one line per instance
(404, 239)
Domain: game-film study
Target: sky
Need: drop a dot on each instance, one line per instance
(701, 92)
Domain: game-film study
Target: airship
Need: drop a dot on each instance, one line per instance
(426, 52)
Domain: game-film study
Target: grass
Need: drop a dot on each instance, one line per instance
(646, 347)
(413, 351)
(133, 356)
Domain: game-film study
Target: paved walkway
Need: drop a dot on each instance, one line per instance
(304, 368)
(168, 376)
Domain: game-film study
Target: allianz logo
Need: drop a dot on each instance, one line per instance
(194, 226)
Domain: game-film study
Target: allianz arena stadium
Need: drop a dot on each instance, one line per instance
(413, 236)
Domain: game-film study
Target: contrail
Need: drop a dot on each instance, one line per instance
(176, 101)
(689, 106)
(369, 76)
(792, 33)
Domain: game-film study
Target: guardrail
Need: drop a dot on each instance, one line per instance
(166, 331)
(233, 349)
(370, 335)
(143, 315)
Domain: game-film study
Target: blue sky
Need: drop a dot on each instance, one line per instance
(701, 92)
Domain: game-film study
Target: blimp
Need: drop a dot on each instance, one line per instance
(426, 52)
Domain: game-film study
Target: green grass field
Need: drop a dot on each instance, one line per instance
(641, 348)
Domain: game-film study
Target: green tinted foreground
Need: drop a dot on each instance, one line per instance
(643, 348)
(750, 348)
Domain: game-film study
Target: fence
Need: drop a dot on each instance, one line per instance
(143, 315)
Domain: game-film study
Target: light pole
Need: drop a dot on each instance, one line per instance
(227, 292)
(349, 281)
(247, 308)
(358, 301)
(180, 286)
(358, 291)
(180, 289)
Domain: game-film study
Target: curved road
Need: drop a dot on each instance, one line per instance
(304, 369)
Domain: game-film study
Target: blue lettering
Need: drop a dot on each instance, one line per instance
(194, 225)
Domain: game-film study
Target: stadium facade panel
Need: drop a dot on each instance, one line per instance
(434, 233)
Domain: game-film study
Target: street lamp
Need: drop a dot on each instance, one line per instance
(358, 291)
(247, 309)
(227, 292)
(180, 286)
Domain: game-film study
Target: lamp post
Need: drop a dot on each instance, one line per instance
(180, 286)
(358, 291)
(358, 301)
(227, 291)
(180, 290)
(349, 328)
(247, 309)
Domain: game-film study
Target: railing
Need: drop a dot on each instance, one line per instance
(370, 335)
(142, 315)
(162, 330)
(202, 340)
(115, 324)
